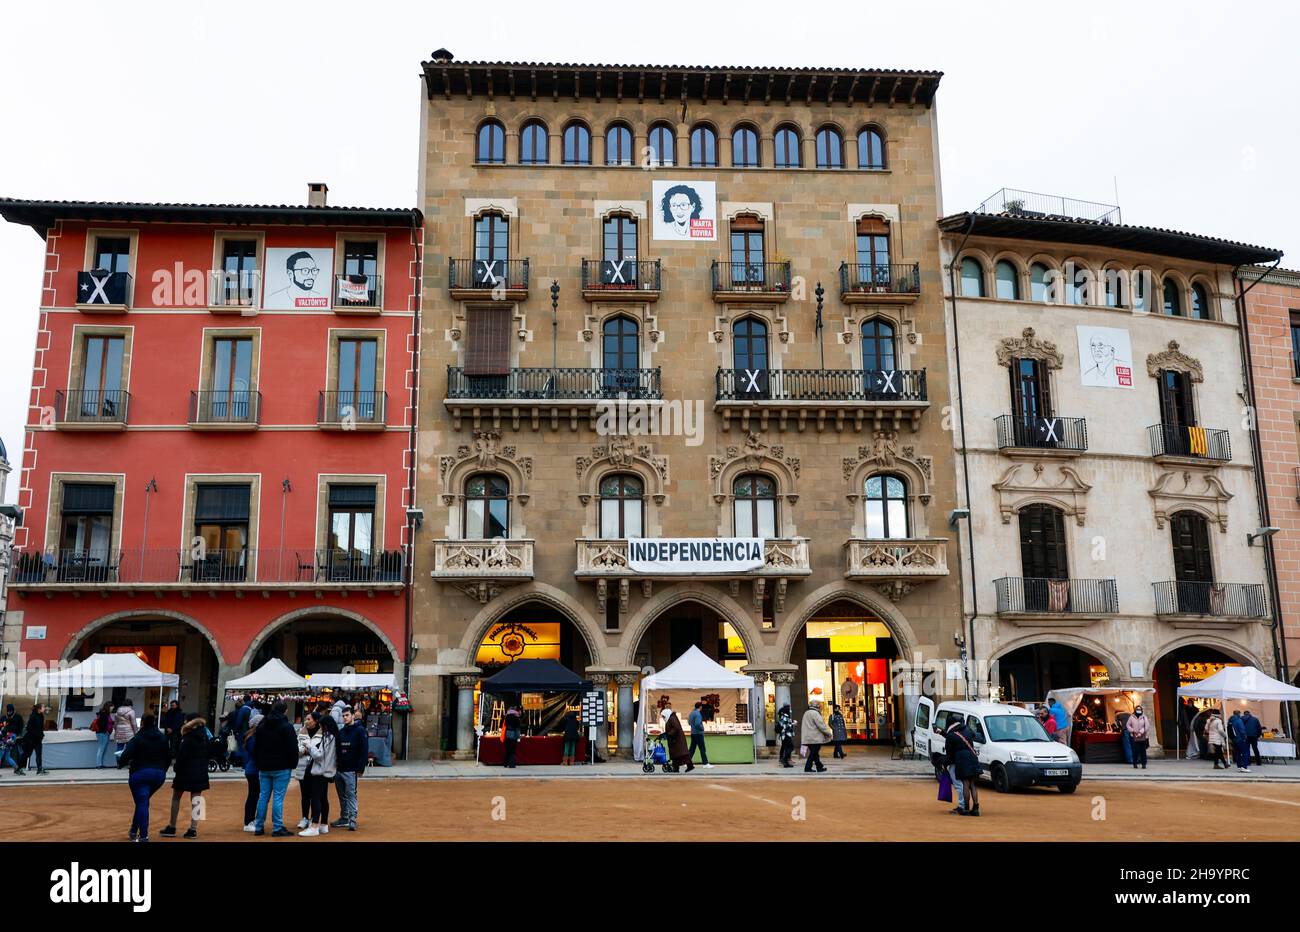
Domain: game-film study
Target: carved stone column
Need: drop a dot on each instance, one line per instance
(758, 710)
(465, 683)
(625, 682)
(783, 680)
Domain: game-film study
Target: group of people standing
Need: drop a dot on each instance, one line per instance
(814, 733)
(1242, 731)
(19, 743)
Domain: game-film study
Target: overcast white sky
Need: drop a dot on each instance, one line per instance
(1192, 106)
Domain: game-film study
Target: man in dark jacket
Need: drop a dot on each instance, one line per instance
(33, 741)
(172, 722)
(959, 749)
(354, 751)
(239, 723)
(276, 754)
(1254, 730)
(12, 726)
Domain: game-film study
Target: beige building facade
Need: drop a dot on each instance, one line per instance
(624, 339)
(1104, 446)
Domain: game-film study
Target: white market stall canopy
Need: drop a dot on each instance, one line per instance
(347, 681)
(694, 670)
(107, 670)
(1241, 683)
(273, 674)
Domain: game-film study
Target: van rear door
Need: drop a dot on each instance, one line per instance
(922, 725)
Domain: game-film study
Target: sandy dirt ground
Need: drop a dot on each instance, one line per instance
(667, 808)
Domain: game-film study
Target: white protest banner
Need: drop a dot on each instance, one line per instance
(683, 556)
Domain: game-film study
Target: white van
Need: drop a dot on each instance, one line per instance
(1012, 747)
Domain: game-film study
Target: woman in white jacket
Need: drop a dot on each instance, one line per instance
(323, 750)
(1216, 739)
(302, 773)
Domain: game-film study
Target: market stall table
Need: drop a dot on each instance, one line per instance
(1276, 748)
(74, 749)
(537, 749)
(727, 749)
(1099, 747)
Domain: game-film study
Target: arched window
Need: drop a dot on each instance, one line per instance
(487, 507)
(491, 238)
(532, 144)
(787, 147)
(1079, 290)
(747, 262)
(663, 145)
(744, 147)
(871, 148)
(618, 145)
(577, 144)
(886, 498)
(704, 147)
(619, 242)
(1038, 278)
(491, 143)
(879, 349)
(830, 148)
(1173, 299)
(1007, 280)
(621, 344)
(1117, 287)
(1141, 287)
(622, 503)
(1200, 302)
(755, 506)
(972, 278)
(749, 344)
(872, 243)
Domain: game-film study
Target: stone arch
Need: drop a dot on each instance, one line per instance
(1114, 666)
(876, 603)
(755, 456)
(980, 256)
(534, 591)
(728, 608)
(1211, 295)
(485, 454)
(1184, 292)
(136, 615)
(886, 456)
(1052, 279)
(317, 611)
(1073, 265)
(1017, 262)
(1219, 643)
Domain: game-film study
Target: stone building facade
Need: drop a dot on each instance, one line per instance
(559, 294)
(1104, 448)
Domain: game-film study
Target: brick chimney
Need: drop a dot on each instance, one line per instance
(317, 191)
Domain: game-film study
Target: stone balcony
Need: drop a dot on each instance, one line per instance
(482, 568)
(896, 567)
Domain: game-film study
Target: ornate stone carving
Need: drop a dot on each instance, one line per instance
(884, 453)
(1067, 491)
(1203, 493)
(599, 679)
(1028, 346)
(754, 454)
(622, 452)
(895, 590)
(1175, 360)
(625, 680)
(485, 451)
(783, 677)
(465, 680)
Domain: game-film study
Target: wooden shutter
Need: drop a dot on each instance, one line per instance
(747, 223)
(1042, 543)
(873, 226)
(488, 341)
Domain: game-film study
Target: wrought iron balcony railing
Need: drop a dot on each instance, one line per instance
(1196, 442)
(225, 407)
(615, 275)
(556, 384)
(92, 406)
(1219, 600)
(1029, 204)
(487, 274)
(1017, 595)
(1042, 433)
(161, 567)
(357, 409)
(868, 278)
(772, 278)
(358, 291)
(101, 287)
(236, 291)
(865, 385)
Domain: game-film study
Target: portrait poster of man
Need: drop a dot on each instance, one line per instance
(684, 211)
(298, 278)
(1105, 357)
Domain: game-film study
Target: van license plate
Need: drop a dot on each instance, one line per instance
(1056, 773)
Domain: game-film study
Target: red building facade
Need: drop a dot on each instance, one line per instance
(217, 466)
(1273, 316)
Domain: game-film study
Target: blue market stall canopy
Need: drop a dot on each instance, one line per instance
(536, 676)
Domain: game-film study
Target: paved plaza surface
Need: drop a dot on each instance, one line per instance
(866, 798)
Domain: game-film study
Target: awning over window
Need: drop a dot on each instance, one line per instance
(81, 498)
(222, 503)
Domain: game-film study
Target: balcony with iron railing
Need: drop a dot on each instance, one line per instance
(358, 294)
(896, 566)
(1178, 443)
(1048, 436)
(552, 393)
(225, 410)
(234, 292)
(352, 410)
(838, 398)
(621, 280)
(766, 282)
(1063, 602)
(482, 568)
(500, 279)
(101, 291)
(1030, 205)
(166, 569)
(91, 409)
(873, 283)
(1208, 602)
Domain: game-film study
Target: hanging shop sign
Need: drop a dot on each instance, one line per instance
(691, 555)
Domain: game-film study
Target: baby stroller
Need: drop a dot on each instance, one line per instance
(656, 754)
(218, 753)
